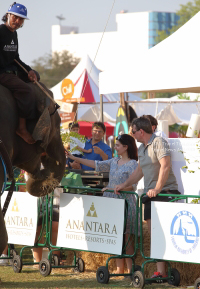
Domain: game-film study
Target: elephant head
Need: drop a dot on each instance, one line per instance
(46, 165)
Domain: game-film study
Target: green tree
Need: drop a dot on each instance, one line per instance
(53, 68)
(186, 12)
(160, 95)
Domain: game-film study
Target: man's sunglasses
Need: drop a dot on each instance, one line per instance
(134, 131)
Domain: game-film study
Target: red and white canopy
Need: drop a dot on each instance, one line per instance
(85, 77)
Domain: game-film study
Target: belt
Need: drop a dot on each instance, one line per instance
(11, 72)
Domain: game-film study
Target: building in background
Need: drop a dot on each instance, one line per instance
(136, 33)
(160, 21)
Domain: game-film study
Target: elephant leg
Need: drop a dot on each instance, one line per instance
(3, 233)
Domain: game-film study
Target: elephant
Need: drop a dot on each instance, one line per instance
(29, 157)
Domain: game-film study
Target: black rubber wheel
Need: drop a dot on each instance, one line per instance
(138, 279)
(45, 267)
(175, 277)
(80, 265)
(137, 268)
(197, 284)
(17, 264)
(55, 261)
(102, 275)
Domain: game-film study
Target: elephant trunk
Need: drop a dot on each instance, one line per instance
(44, 181)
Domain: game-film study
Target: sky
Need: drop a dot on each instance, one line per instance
(88, 15)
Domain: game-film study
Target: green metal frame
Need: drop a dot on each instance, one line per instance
(94, 191)
(147, 258)
(44, 220)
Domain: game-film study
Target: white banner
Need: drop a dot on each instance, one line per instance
(186, 164)
(91, 223)
(21, 218)
(175, 231)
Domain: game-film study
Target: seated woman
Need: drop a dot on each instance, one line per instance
(119, 168)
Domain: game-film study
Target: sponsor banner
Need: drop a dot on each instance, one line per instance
(67, 117)
(78, 99)
(186, 164)
(185, 158)
(21, 218)
(175, 231)
(91, 223)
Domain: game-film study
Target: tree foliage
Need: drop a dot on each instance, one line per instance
(53, 68)
(160, 94)
(186, 12)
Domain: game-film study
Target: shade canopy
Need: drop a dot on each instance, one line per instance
(86, 128)
(170, 66)
(175, 111)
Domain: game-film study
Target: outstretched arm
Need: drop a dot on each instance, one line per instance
(85, 162)
(84, 150)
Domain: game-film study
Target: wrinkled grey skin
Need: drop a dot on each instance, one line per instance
(28, 157)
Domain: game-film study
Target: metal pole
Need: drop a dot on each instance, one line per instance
(101, 107)
(101, 114)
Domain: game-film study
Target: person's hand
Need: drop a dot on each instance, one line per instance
(104, 189)
(68, 155)
(97, 150)
(152, 193)
(75, 165)
(119, 188)
(32, 76)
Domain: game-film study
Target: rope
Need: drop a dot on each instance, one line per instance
(96, 53)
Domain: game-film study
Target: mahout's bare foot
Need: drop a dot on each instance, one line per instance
(27, 137)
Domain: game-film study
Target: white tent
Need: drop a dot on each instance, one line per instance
(182, 109)
(85, 77)
(172, 65)
(88, 112)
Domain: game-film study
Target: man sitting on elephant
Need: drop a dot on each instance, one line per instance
(10, 70)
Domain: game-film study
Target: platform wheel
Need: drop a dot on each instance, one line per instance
(13, 253)
(197, 284)
(80, 265)
(102, 275)
(138, 279)
(45, 267)
(175, 277)
(17, 264)
(55, 260)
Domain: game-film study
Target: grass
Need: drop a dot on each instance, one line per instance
(59, 278)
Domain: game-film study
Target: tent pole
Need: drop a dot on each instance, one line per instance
(101, 113)
(101, 107)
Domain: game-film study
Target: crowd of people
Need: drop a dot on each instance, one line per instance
(152, 160)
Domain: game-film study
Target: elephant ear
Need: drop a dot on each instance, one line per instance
(42, 101)
(42, 129)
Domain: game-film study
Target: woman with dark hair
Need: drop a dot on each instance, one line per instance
(119, 168)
